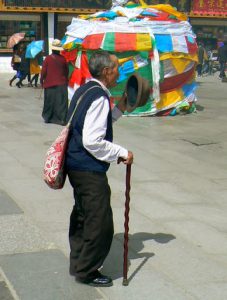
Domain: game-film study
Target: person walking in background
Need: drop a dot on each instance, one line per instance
(54, 80)
(201, 57)
(222, 58)
(24, 69)
(210, 61)
(89, 154)
(205, 68)
(35, 68)
(15, 62)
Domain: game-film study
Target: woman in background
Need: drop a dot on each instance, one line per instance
(24, 69)
(15, 62)
(35, 69)
(54, 80)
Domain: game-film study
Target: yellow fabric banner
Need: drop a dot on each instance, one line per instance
(166, 8)
(169, 99)
(143, 42)
(193, 57)
(180, 64)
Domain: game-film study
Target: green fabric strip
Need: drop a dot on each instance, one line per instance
(109, 41)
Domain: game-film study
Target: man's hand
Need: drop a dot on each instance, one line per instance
(122, 103)
(128, 160)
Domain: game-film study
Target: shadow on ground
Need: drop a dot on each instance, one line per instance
(199, 107)
(114, 262)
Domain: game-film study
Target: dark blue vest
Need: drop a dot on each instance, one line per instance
(77, 157)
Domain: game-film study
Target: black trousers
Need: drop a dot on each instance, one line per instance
(91, 222)
(222, 69)
(35, 78)
(199, 69)
(55, 107)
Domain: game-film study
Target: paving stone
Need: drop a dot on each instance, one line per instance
(210, 291)
(8, 205)
(19, 234)
(44, 276)
(177, 246)
(5, 292)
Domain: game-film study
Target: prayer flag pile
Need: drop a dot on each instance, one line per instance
(156, 41)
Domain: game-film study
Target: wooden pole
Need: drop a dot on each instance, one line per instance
(126, 225)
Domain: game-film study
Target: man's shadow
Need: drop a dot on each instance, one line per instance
(114, 263)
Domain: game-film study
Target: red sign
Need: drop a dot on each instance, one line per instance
(210, 7)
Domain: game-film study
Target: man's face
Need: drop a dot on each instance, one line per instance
(112, 74)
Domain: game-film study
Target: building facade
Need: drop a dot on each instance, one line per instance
(40, 20)
(48, 19)
(209, 21)
(207, 17)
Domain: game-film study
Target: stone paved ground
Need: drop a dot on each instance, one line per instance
(178, 224)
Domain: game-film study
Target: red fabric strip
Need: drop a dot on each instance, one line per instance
(93, 42)
(192, 48)
(125, 42)
(176, 82)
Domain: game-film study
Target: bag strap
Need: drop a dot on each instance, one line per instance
(78, 102)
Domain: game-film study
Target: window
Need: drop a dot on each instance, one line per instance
(13, 23)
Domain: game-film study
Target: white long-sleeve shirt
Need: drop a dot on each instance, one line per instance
(94, 130)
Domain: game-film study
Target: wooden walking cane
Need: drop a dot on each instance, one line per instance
(40, 95)
(127, 195)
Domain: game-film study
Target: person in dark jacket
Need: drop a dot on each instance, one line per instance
(222, 58)
(202, 56)
(89, 154)
(24, 70)
(54, 80)
(15, 62)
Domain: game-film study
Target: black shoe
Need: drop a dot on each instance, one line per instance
(98, 281)
(18, 85)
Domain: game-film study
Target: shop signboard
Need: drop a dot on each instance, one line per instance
(209, 7)
(70, 4)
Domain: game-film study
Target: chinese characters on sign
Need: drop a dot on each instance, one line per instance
(210, 7)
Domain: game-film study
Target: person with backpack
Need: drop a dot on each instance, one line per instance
(24, 69)
(15, 62)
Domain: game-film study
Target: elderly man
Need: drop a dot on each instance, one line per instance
(90, 151)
